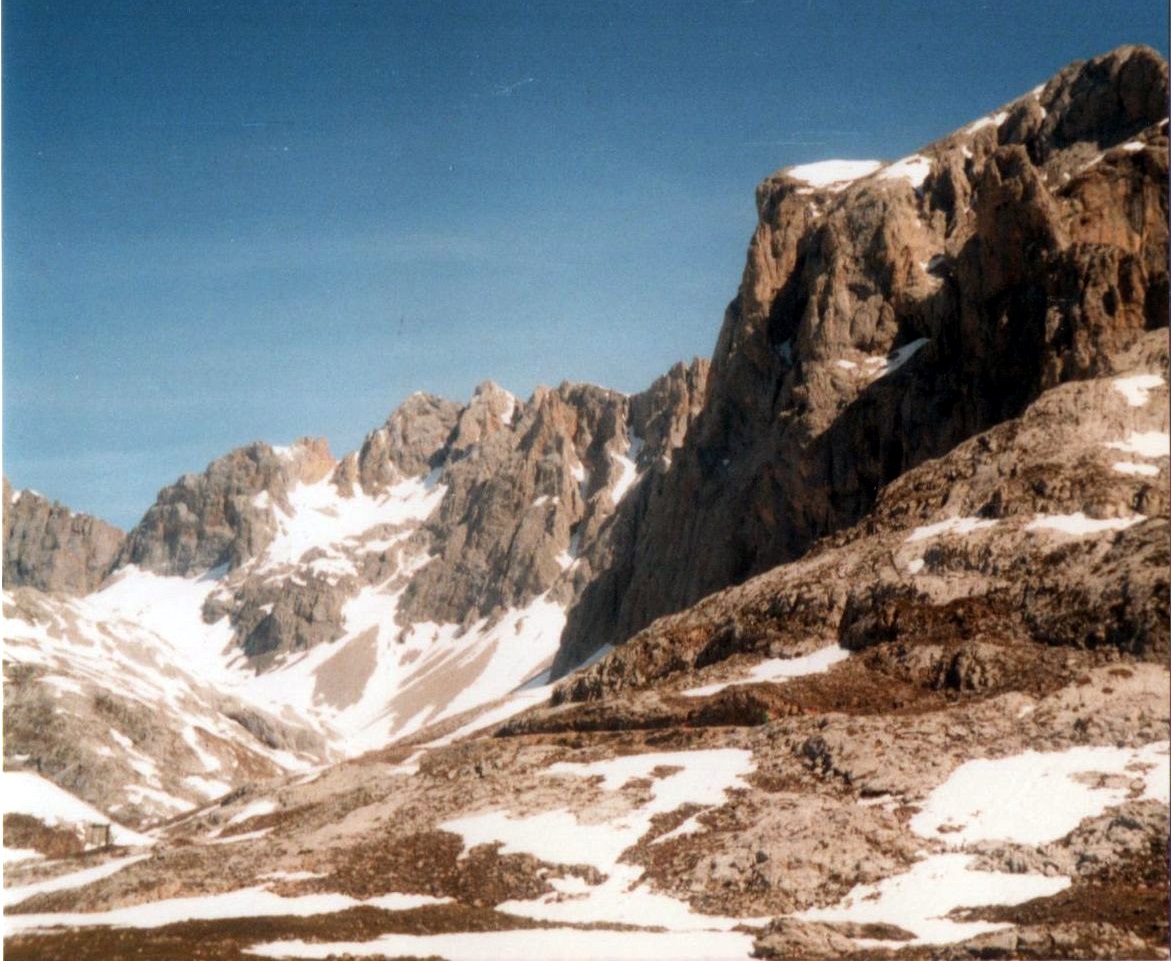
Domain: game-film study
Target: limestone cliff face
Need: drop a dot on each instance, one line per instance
(48, 547)
(883, 319)
(531, 489)
(223, 516)
(403, 447)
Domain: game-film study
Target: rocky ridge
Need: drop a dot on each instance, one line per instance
(420, 577)
(48, 547)
(882, 319)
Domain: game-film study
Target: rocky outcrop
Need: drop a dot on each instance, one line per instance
(530, 489)
(48, 547)
(882, 320)
(408, 444)
(223, 516)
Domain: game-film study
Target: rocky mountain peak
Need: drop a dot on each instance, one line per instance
(490, 410)
(48, 547)
(411, 442)
(224, 515)
(887, 311)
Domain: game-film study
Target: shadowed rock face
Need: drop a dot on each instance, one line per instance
(48, 547)
(1030, 250)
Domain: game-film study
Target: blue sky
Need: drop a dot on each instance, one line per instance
(236, 221)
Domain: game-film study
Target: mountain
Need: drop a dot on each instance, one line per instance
(852, 645)
(887, 314)
(48, 547)
(300, 608)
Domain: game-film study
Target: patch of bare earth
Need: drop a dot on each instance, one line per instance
(228, 940)
(1130, 897)
(22, 831)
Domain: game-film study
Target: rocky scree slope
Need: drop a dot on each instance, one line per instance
(885, 317)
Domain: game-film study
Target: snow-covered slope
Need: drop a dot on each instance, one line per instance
(129, 718)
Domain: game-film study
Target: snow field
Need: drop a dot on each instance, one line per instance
(1028, 798)
(25, 792)
(65, 882)
(919, 899)
(562, 944)
(780, 669)
(560, 837)
(832, 173)
(1080, 526)
(321, 517)
(255, 901)
(1035, 797)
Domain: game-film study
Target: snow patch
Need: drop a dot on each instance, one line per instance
(1137, 389)
(1080, 525)
(244, 903)
(995, 120)
(779, 669)
(65, 882)
(27, 793)
(506, 415)
(319, 516)
(1036, 797)
(881, 366)
(913, 169)
(627, 469)
(1151, 443)
(254, 810)
(919, 899)
(14, 855)
(685, 777)
(63, 685)
(1140, 470)
(208, 787)
(1029, 798)
(564, 944)
(832, 173)
(953, 525)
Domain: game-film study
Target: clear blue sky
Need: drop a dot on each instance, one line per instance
(230, 221)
